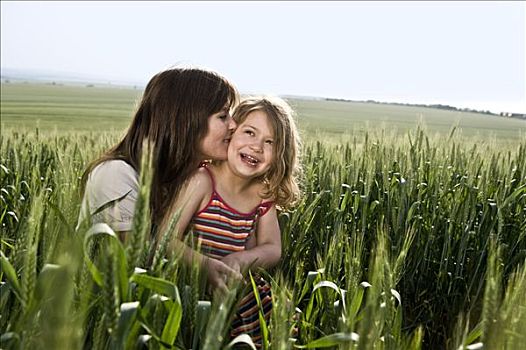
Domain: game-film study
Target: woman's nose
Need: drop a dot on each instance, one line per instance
(231, 123)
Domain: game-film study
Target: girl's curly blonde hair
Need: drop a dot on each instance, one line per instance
(282, 179)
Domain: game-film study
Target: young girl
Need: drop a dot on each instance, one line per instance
(229, 207)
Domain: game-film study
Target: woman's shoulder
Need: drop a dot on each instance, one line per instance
(110, 194)
(113, 166)
(114, 176)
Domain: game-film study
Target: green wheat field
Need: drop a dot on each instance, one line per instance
(410, 234)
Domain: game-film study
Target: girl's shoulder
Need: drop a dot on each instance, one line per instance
(262, 189)
(201, 181)
(265, 202)
(200, 187)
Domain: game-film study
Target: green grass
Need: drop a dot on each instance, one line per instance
(435, 223)
(340, 117)
(66, 108)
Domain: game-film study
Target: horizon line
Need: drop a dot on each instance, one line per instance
(63, 77)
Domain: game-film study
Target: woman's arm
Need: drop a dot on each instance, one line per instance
(267, 250)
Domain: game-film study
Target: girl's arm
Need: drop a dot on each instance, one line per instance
(267, 250)
(190, 199)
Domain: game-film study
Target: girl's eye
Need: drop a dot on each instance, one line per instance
(269, 142)
(222, 116)
(249, 132)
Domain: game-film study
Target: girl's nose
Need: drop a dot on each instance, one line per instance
(257, 146)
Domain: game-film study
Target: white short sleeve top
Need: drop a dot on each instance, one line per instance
(110, 195)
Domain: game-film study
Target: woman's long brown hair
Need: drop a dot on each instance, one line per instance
(173, 117)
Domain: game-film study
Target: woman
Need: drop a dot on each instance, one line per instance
(184, 114)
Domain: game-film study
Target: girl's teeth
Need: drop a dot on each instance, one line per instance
(250, 159)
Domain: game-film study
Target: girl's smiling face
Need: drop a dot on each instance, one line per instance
(251, 149)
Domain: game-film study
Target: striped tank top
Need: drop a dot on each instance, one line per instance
(220, 229)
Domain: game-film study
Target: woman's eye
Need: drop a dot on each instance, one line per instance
(222, 116)
(269, 142)
(249, 132)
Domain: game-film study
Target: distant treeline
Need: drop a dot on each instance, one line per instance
(437, 106)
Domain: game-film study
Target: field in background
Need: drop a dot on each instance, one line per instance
(67, 108)
(340, 117)
(404, 239)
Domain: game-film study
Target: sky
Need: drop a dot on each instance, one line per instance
(465, 54)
